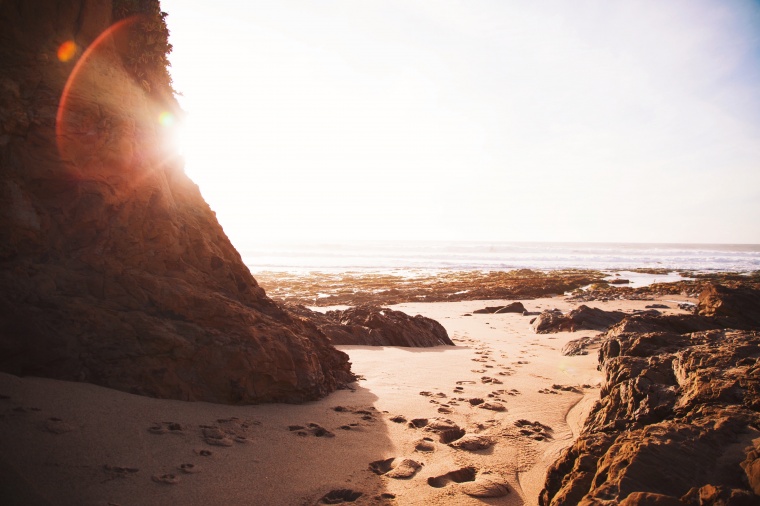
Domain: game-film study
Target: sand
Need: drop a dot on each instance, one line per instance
(76, 443)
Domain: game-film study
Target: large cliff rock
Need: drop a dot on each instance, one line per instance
(113, 269)
(376, 326)
(678, 420)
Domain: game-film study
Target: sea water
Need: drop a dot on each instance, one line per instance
(426, 255)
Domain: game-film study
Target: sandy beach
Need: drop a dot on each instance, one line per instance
(76, 443)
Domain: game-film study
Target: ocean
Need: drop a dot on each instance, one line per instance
(427, 255)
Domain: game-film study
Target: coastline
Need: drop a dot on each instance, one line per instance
(92, 445)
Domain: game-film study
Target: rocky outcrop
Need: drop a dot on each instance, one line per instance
(737, 307)
(513, 307)
(376, 326)
(580, 318)
(676, 422)
(113, 268)
(581, 345)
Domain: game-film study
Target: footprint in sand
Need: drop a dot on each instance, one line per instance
(215, 436)
(311, 428)
(119, 471)
(457, 476)
(188, 468)
(493, 406)
(425, 444)
(57, 426)
(339, 496)
(167, 479)
(483, 487)
(534, 430)
(449, 435)
(566, 388)
(166, 428)
(404, 470)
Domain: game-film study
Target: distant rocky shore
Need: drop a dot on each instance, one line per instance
(382, 289)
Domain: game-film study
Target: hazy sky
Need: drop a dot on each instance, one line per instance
(475, 120)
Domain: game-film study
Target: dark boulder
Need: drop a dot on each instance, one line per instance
(514, 307)
(580, 318)
(376, 326)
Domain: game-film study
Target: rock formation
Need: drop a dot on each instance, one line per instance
(737, 307)
(376, 326)
(678, 418)
(513, 307)
(580, 318)
(114, 269)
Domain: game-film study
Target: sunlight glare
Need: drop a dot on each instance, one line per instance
(166, 119)
(67, 51)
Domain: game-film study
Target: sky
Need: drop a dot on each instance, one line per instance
(346, 120)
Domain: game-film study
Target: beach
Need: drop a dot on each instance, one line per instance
(76, 443)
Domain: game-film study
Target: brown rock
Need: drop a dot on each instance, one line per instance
(737, 307)
(580, 346)
(676, 413)
(514, 307)
(649, 499)
(376, 326)
(580, 318)
(751, 466)
(113, 268)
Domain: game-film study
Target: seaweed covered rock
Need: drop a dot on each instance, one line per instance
(113, 269)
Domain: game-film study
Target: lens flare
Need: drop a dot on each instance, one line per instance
(166, 119)
(67, 50)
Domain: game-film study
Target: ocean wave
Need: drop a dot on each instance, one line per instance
(503, 256)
